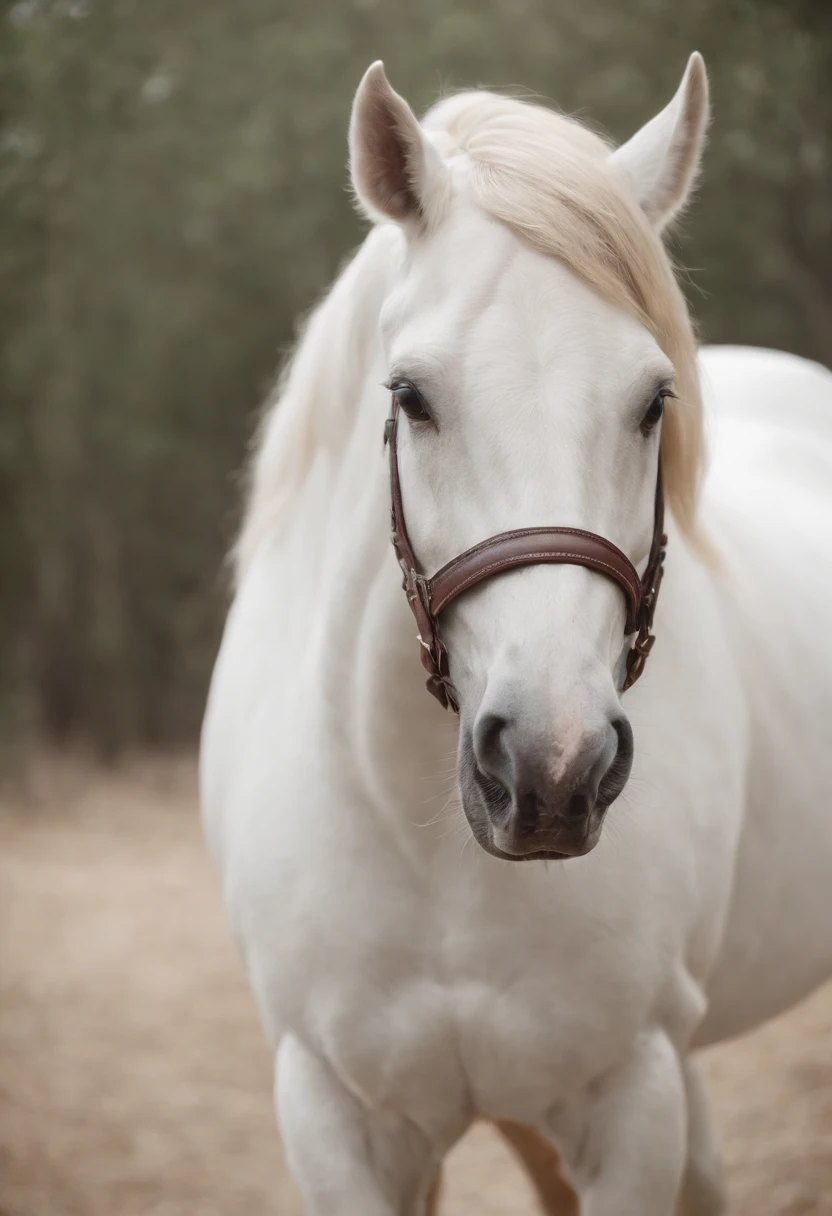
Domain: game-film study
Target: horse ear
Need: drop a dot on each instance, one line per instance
(397, 174)
(661, 161)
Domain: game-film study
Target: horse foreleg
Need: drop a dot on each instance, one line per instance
(542, 1164)
(703, 1192)
(344, 1158)
(623, 1142)
(432, 1202)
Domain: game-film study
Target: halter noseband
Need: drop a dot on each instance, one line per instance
(524, 547)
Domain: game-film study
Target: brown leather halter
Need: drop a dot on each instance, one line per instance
(524, 547)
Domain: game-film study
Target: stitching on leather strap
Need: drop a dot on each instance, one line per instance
(555, 556)
(542, 531)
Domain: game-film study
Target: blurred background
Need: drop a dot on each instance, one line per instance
(172, 198)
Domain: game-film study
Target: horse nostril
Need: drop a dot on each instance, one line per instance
(492, 769)
(615, 778)
(489, 745)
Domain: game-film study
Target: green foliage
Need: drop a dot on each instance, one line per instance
(172, 195)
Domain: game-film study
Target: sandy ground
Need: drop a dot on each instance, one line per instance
(133, 1076)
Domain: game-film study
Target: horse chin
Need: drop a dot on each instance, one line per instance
(536, 855)
(577, 848)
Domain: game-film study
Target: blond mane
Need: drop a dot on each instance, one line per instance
(548, 179)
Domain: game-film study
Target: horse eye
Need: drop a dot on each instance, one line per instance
(654, 413)
(410, 401)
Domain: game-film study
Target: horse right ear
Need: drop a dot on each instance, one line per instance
(397, 173)
(661, 161)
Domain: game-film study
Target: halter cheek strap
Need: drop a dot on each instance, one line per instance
(507, 551)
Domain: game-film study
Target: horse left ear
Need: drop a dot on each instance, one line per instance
(661, 161)
(397, 173)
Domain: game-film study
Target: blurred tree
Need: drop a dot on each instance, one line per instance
(172, 194)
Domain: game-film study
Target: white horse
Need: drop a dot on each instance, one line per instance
(516, 299)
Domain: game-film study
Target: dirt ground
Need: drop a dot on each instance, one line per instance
(133, 1076)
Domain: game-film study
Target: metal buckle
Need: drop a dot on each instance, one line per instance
(644, 644)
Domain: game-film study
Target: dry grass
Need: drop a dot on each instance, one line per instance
(133, 1076)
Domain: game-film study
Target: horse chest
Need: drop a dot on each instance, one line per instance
(444, 1010)
(444, 1054)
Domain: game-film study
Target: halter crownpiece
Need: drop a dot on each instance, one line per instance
(524, 547)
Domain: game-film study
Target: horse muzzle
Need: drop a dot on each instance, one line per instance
(530, 795)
